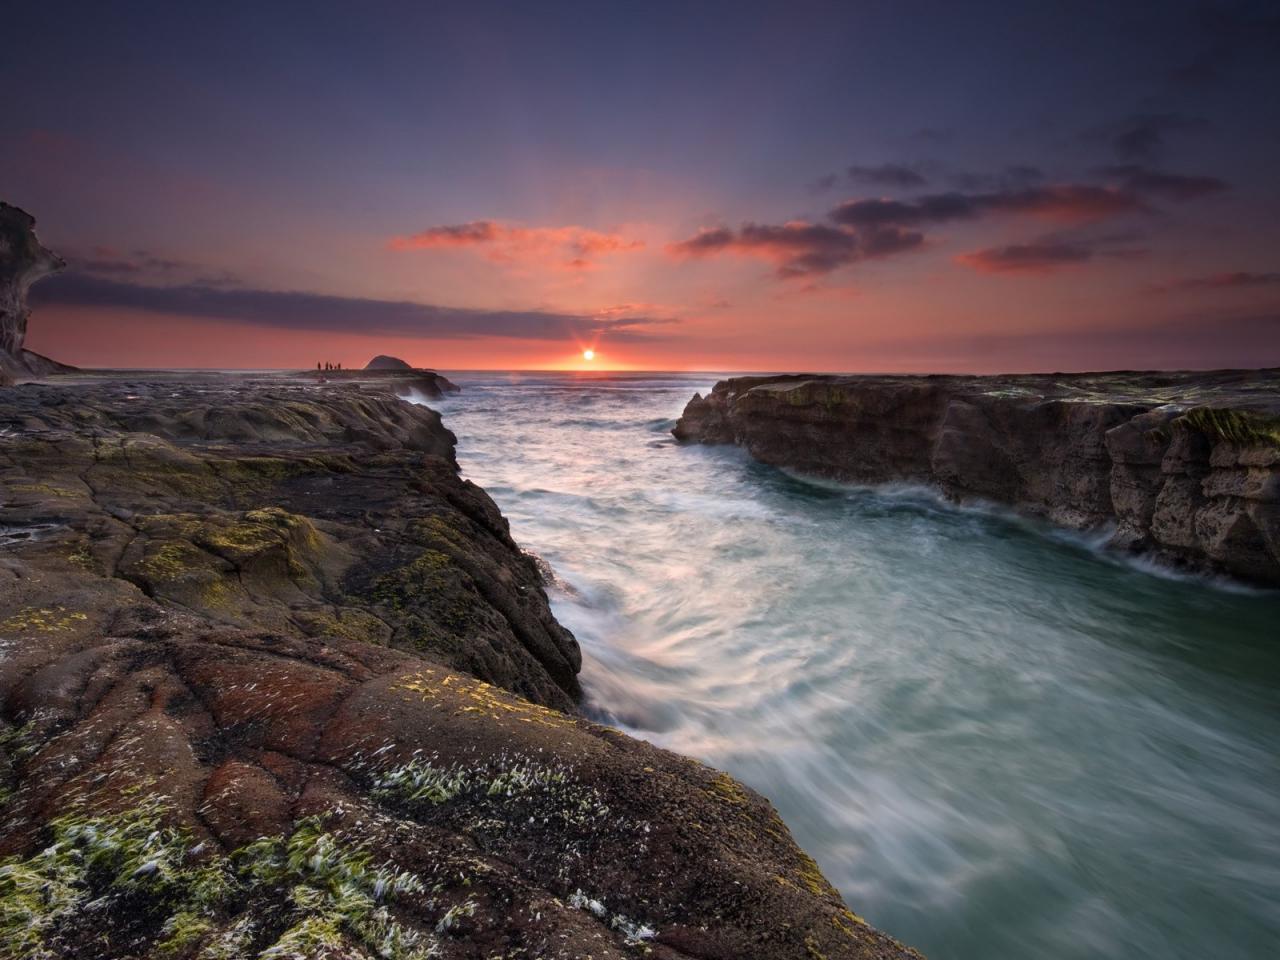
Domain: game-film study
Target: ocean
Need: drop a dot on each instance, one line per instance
(996, 739)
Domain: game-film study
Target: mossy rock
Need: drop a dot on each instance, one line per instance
(1234, 426)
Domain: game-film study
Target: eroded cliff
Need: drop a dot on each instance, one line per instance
(276, 682)
(23, 261)
(1184, 466)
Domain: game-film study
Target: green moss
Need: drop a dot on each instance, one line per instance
(44, 489)
(811, 876)
(494, 788)
(431, 584)
(329, 893)
(439, 528)
(349, 623)
(1234, 426)
(20, 742)
(82, 556)
(42, 620)
(173, 560)
(727, 790)
(334, 892)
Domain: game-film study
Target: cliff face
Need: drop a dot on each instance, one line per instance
(23, 261)
(1184, 466)
(276, 681)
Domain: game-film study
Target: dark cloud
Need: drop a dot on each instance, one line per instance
(1034, 257)
(1016, 176)
(1222, 281)
(801, 249)
(1049, 253)
(1143, 137)
(823, 184)
(1168, 186)
(1059, 202)
(111, 262)
(145, 267)
(887, 175)
(321, 312)
(863, 229)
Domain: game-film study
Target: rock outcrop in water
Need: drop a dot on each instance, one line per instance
(275, 681)
(383, 362)
(408, 382)
(1184, 466)
(23, 261)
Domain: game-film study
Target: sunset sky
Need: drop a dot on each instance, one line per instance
(821, 186)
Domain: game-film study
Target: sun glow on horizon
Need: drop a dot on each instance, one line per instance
(588, 354)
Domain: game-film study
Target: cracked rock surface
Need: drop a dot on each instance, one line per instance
(275, 681)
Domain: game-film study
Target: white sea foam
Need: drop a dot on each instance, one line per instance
(997, 738)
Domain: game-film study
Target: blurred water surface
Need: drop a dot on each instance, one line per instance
(997, 741)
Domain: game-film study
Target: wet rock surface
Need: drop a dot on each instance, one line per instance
(276, 681)
(1184, 467)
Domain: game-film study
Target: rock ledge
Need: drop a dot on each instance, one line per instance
(1183, 466)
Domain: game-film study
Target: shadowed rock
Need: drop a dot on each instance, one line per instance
(383, 362)
(23, 261)
(273, 677)
(405, 381)
(1183, 466)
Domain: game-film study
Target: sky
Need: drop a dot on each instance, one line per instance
(852, 186)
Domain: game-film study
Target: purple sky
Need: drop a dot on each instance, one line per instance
(843, 186)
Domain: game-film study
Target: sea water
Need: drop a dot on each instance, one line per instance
(997, 740)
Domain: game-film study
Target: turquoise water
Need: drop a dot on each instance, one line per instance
(996, 740)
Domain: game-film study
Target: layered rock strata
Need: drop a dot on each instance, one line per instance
(23, 261)
(1183, 466)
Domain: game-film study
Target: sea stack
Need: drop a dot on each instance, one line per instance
(23, 261)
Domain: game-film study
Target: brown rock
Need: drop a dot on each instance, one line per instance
(1183, 465)
(237, 609)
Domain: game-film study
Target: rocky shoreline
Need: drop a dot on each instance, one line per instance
(1183, 467)
(275, 681)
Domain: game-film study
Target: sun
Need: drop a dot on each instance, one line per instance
(588, 354)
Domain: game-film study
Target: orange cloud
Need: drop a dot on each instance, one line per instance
(567, 247)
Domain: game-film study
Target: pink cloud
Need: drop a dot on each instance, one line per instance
(567, 247)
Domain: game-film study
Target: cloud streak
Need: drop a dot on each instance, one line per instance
(798, 248)
(873, 228)
(1142, 180)
(1232, 280)
(887, 175)
(570, 247)
(292, 310)
(1069, 203)
(1034, 257)
(1143, 137)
